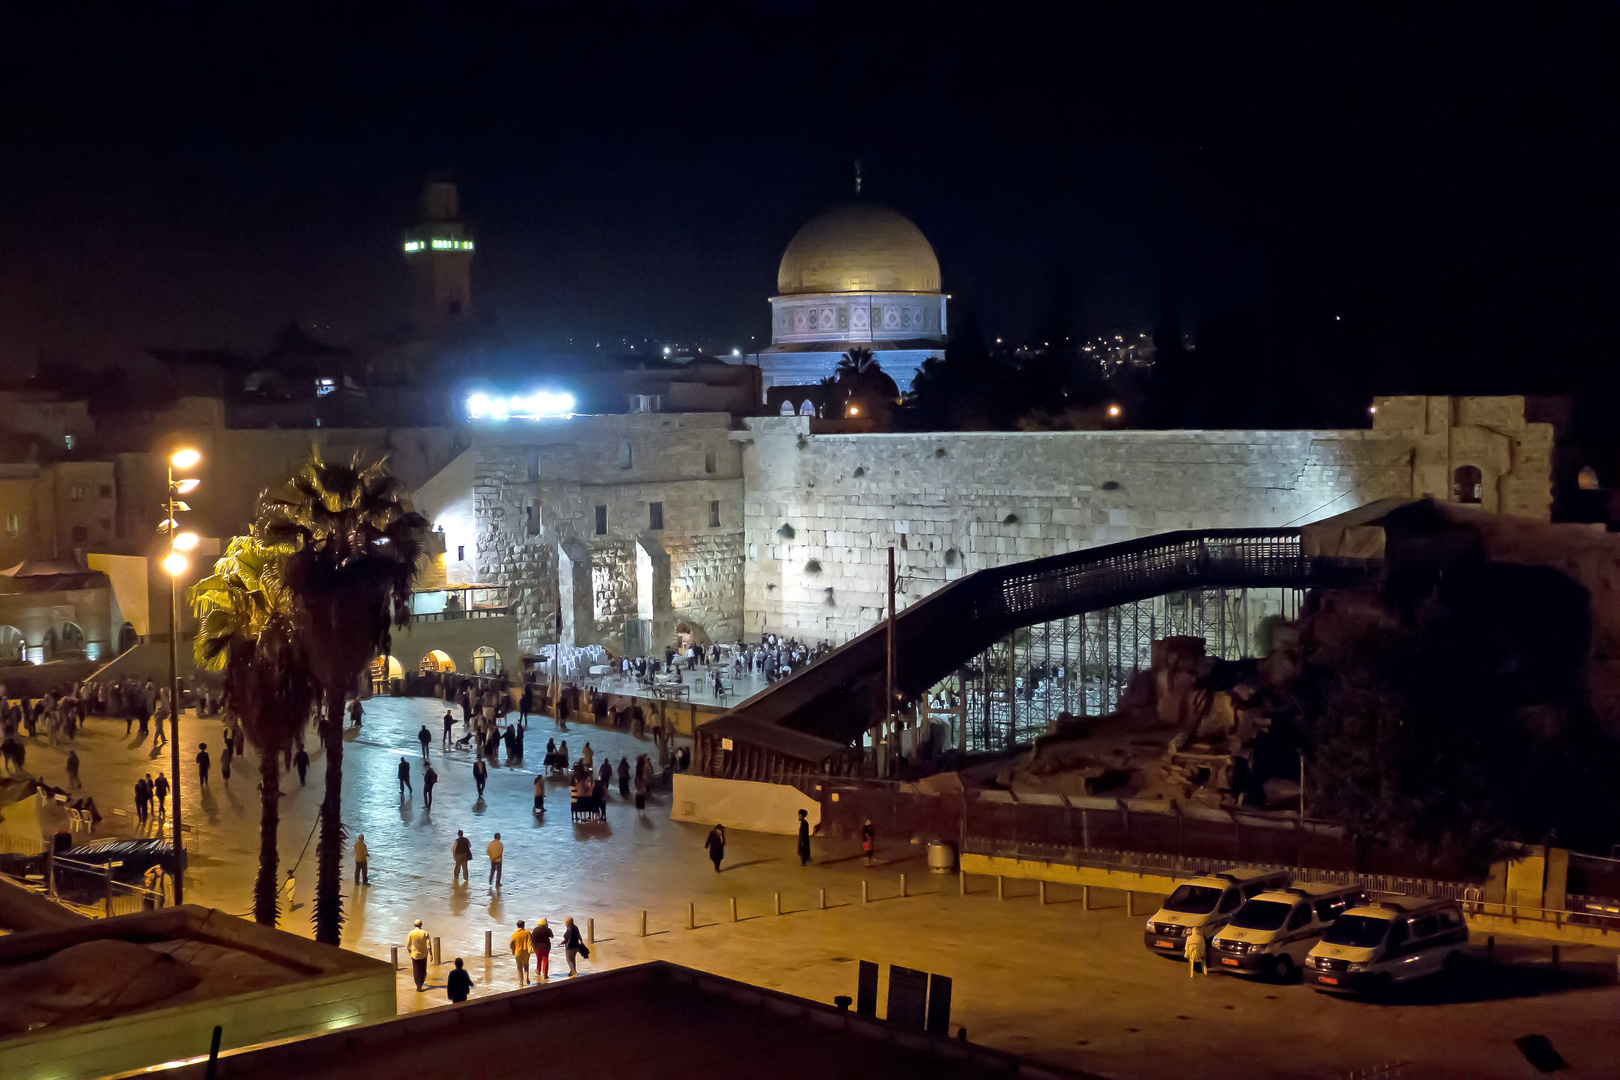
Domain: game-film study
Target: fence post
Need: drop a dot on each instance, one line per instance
(643, 922)
(1001, 887)
(733, 909)
(777, 902)
(821, 899)
(393, 956)
(50, 870)
(961, 883)
(691, 916)
(438, 957)
(106, 884)
(1085, 898)
(902, 885)
(590, 931)
(864, 897)
(489, 943)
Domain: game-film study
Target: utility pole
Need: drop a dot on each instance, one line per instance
(175, 564)
(888, 686)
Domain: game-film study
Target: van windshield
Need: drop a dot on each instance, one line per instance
(1262, 915)
(1194, 899)
(1357, 931)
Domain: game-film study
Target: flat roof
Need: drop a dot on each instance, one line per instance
(653, 1019)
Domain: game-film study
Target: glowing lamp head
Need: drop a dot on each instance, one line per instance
(853, 410)
(186, 541)
(1113, 410)
(186, 487)
(184, 459)
(478, 406)
(174, 563)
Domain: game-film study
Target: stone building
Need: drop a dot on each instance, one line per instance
(783, 524)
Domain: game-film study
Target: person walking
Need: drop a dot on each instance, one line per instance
(73, 769)
(225, 757)
(804, 838)
(429, 778)
(495, 850)
(202, 764)
(362, 875)
(458, 985)
(624, 778)
(522, 947)
(449, 722)
(301, 763)
(869, 842)
(573, 945)
(354, 712)
(541, 937)
(405, 779)
(424, 738)
(539, 793)
(716, 843)
(461, 851)
(160, 792)
(480, 775)
(419, 947)
(140, 802)
(587, 755)
(287, 888)
(1194, 951)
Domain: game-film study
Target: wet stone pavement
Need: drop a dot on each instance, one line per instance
(1068, 986)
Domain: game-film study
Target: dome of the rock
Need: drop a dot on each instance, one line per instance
(855, 248)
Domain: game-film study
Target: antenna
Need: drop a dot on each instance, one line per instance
(857, 176)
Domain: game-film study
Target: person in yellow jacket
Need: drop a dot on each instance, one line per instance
(362, 876)
(522, 949)
(419, 947)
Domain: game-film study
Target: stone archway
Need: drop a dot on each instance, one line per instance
(486, 661)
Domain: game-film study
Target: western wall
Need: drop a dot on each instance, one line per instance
(776, 524)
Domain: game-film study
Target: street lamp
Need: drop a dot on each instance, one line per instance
(175, 563)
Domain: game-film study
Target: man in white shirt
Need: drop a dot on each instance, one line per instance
(419, 947)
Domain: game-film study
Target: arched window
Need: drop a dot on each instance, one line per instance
(72, 640)
(1588, 479)
(1467, 484)
(624, 453)
(807, 408)
(708, 461)
(13, 646)
(127, 638)
(486, 661)
(786, 409)
(437, 660)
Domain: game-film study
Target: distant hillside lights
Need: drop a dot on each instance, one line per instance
(537, 406)
(438, 245)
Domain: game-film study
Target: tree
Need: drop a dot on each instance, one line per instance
(245, 630)
(862, 388)
(354, 543)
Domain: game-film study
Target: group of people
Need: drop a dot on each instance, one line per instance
(525, 945)
(588, 789)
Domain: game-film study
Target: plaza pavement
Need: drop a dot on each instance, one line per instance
(1067, 986)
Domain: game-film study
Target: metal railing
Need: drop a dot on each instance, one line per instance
(934, 636)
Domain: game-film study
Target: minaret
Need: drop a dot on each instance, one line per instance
(440, 253)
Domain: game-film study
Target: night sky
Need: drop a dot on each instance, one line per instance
(1440, 183)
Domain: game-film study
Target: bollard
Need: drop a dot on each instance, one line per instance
(489, 943)
(1043, 894)
(1001, 887)
(590, 931)
(436, 953)
(644, 922)
(733, 909)
(393, 956)
(691, 916)
(961, 883)
(864, 897)
(1085, 898)
(778, 902)
(821, 905)
(902, 885)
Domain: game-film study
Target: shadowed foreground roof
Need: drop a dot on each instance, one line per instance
(656, 1019)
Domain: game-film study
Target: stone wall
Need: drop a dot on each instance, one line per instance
(823, 509)
(538, 484)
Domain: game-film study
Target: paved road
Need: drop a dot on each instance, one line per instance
(1071, 987)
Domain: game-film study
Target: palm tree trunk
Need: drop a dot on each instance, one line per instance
(266, 889)
(329, 851)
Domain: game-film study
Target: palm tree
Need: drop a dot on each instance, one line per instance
(245, 630)
(354, 543)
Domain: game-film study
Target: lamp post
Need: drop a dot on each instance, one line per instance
(175, 563)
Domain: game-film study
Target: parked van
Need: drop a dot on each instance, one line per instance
(1205, 905)
(1375, 946)
(1273, 933)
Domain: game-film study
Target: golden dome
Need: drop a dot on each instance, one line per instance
(860, 247)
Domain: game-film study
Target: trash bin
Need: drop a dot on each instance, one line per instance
(941, 857)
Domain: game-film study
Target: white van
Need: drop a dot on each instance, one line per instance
(1273, 933)
(1375, 946)
(1205, 904)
